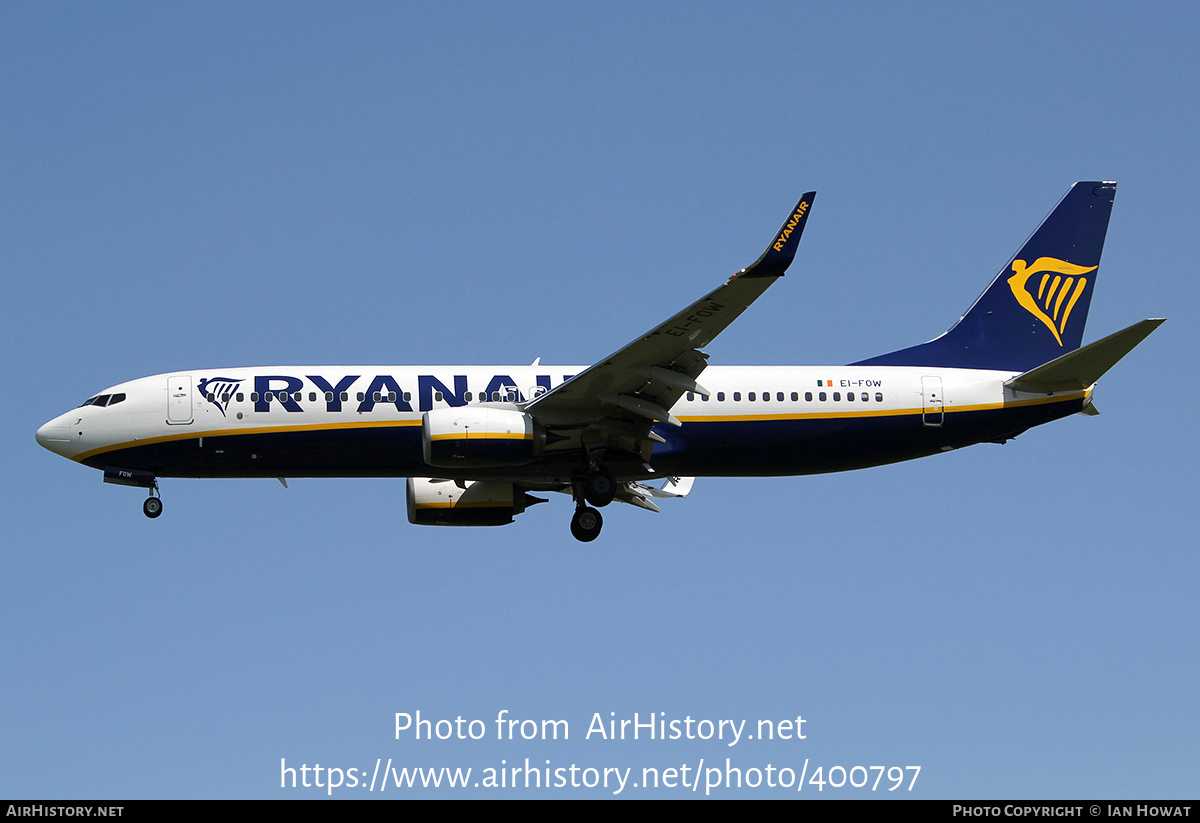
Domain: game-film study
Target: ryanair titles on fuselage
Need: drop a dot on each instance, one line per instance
(381, 389)
(338, 393)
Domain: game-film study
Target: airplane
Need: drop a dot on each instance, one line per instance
(475, 442)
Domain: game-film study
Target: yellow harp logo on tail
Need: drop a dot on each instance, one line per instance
(1057, 291)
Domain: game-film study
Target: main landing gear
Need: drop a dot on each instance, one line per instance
(598, 488)
(585, 524)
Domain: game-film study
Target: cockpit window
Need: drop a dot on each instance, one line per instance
(103, 400)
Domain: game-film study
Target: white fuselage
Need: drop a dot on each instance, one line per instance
(235, 404)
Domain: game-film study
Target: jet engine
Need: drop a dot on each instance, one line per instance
(433, 502)
(475, 436)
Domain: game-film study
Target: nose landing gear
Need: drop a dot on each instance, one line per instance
(152, 508)
(141, 479)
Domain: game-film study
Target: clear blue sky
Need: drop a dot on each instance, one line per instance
(206, 185)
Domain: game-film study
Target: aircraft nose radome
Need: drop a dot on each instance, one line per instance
(55, 436)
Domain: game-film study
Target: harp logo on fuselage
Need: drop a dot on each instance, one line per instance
(221, 389)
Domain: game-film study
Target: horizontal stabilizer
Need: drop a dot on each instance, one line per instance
(639, 494)
(1081, 368)
(635, 498)
(674, 487)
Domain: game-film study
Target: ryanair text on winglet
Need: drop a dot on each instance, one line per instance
(791, 225)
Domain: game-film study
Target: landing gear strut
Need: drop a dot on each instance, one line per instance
(592, 484)
(585, 524)
(152, 508)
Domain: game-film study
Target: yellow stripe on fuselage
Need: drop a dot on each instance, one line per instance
(487, 436)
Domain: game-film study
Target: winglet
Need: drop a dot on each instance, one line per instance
(782, 251)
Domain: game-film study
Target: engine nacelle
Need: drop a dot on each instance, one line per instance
(476, 436)
(476, 503)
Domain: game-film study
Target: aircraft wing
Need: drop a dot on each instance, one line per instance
(617, 400)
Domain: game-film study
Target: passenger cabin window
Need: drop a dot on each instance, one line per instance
(878, 397)
(691, 397)
(240, 397)
(737, 395)
(720, 397)
(821, 397)
(329, 397)
(779, 396)
(808, 396)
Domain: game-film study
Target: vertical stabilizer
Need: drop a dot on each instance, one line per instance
(1036, 308)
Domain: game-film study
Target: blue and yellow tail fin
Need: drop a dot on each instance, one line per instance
(1036, 308)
